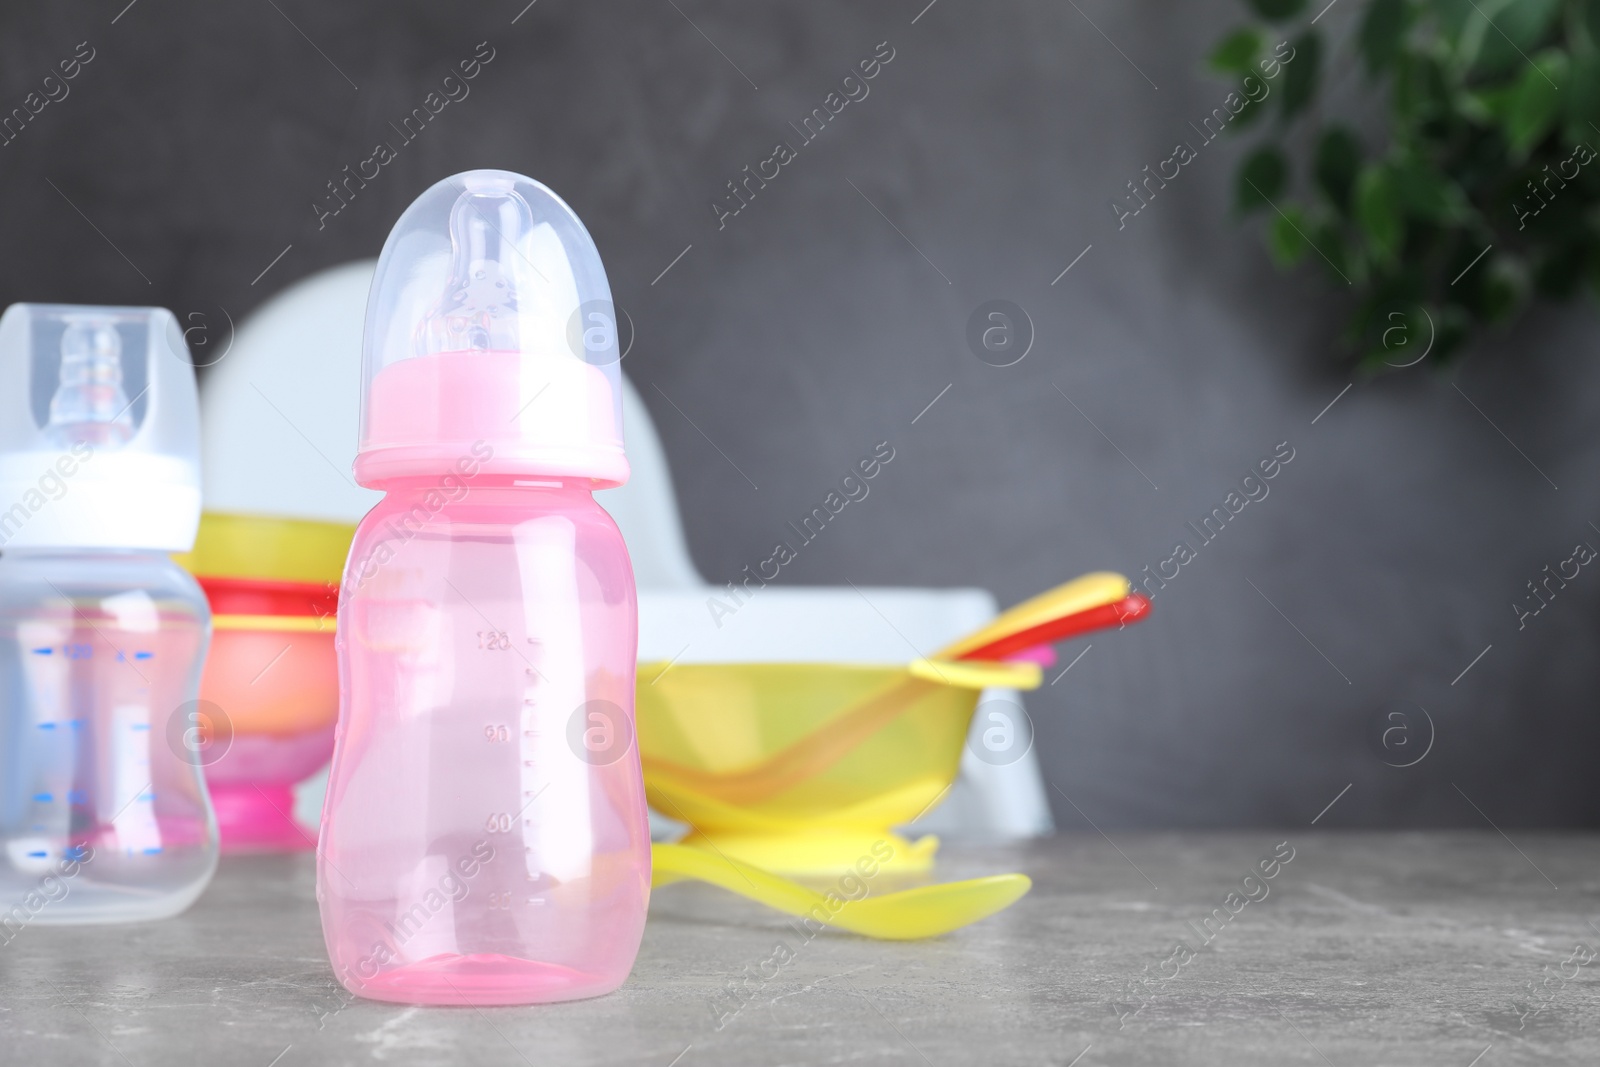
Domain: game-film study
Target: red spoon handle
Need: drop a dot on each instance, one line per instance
(1119, 613)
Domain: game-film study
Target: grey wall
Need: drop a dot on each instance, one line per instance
(1385, 558)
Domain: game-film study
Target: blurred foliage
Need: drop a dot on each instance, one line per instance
(1491, 115)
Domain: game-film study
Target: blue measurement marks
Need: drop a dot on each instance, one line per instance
(81, 651)
(76, 796)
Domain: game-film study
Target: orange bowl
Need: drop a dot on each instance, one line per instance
(270, 685)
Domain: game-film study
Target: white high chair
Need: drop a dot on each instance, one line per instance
(278, 436)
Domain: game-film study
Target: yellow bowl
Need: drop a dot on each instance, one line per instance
(804, 767)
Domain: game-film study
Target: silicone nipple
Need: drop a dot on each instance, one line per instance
(90, 404)
(489, 274)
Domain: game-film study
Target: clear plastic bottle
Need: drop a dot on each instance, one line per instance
(103, 810)
(484, 838)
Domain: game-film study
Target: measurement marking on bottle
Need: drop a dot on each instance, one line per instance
(43, 651)
(139, 726)
(144, 655)
(47, 726)
(152, 851)
(44, 798)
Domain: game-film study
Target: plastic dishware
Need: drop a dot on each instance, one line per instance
(484, 837)
(103, 812)
(799, 767)
(909, 914)
(719, 718)
(810, 754)
(270, 689)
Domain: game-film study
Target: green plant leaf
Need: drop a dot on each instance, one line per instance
(1379, 210)
(1277, 10)
(1529, 111)
(1252, 110)
(1262, 177)
(1469, 254)
(1383, 32)
(1494, 288)
(1422, 90)
(1403, 333)
(1499, 37)
(1338, 162)
(1500, 291)
(1429, 194)
(1236, 52)
(1287, 236)
(1300, 74)
(1335, 253)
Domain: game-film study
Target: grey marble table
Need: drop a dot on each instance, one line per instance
(1458, 950)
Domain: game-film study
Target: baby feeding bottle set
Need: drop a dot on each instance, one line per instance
(484, 836)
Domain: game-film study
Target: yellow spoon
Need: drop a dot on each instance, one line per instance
(926, 911)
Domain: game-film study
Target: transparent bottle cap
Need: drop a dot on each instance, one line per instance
(491, 340)
(99, 429)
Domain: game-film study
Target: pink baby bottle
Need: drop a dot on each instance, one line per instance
(484, 838)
